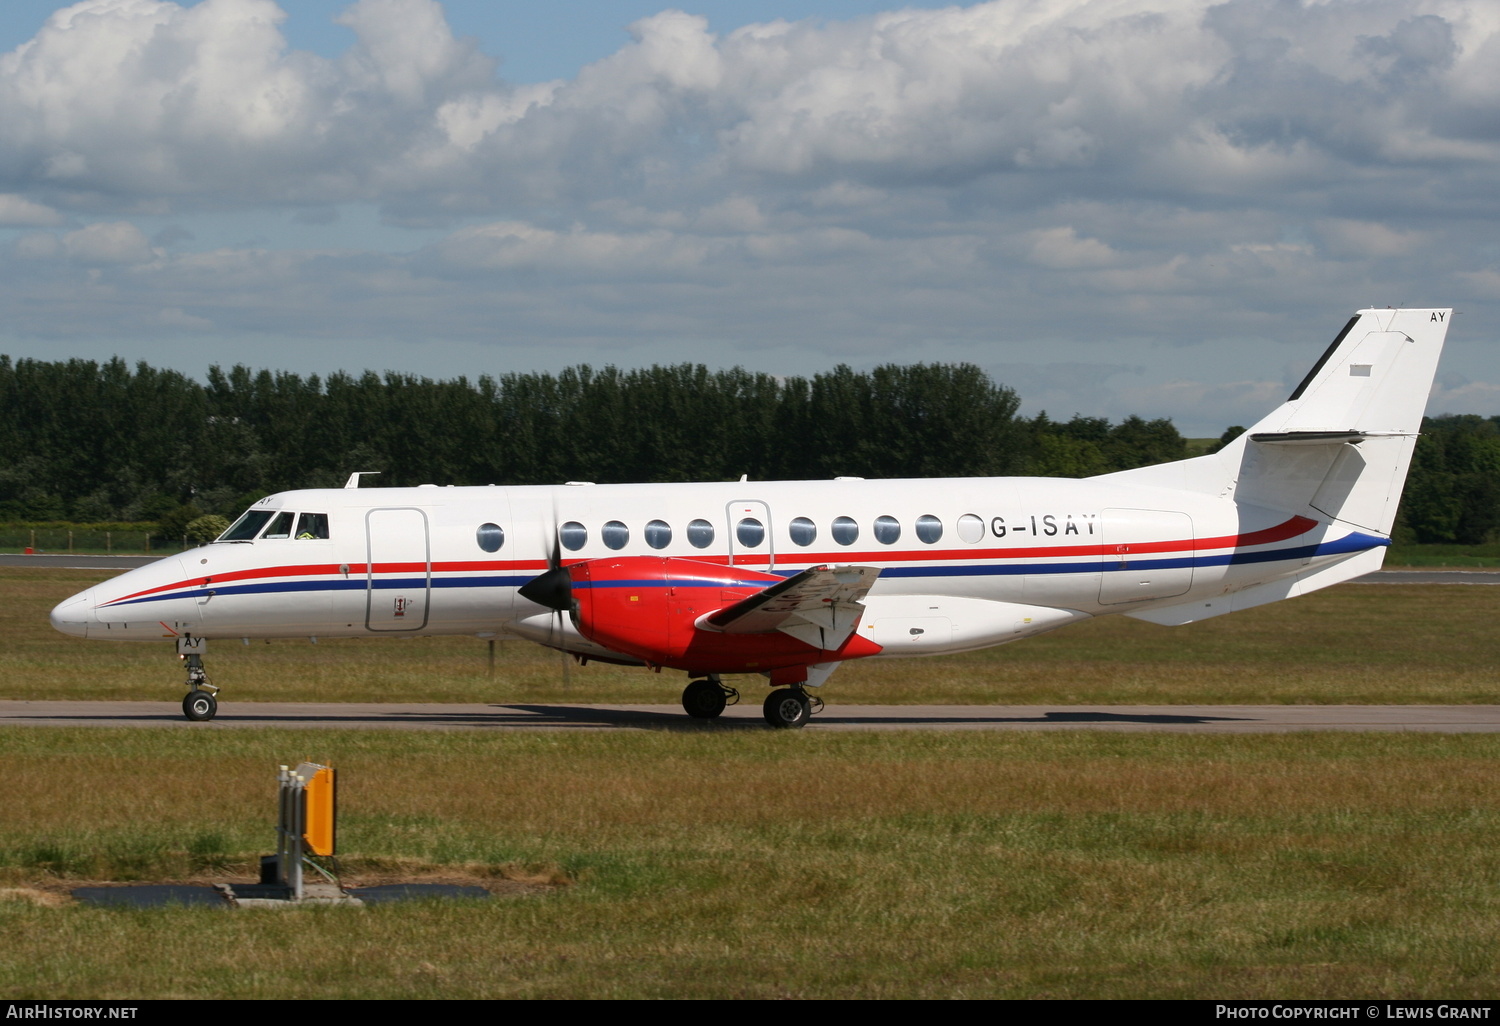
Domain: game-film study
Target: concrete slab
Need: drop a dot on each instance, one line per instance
(151, 895)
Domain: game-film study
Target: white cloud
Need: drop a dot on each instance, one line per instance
(1349, 238)
(114, 242)
(175, 317)
(1061, 248)
(19, 212)
(1202, 402)
(1481, 397)
(514, 245)
(997, 176)
(142, 99)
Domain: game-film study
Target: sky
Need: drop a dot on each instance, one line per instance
(1156, 207)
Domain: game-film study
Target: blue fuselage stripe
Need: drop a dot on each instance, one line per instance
(1348, 544)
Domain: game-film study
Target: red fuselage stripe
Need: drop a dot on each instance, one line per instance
(1290, 528)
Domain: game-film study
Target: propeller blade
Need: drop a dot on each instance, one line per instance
(553, 588)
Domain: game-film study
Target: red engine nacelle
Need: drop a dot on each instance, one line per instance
(647, 607)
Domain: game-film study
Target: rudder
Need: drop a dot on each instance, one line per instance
(1341, 445)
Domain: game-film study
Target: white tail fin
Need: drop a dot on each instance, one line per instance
(1340, 447)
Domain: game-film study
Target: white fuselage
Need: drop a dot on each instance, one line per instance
(965, 563)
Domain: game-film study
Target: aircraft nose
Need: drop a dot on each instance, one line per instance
(73, 616)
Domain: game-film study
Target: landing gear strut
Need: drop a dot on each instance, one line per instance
(705, 699)
(199, 704)
(789, 708)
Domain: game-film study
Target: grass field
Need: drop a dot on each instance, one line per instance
(797, 864)
(774, 865)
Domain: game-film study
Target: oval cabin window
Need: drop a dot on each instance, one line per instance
(750, 532)
(574, 535)
(658, 534)
(845, 530)
(615, 535)
(490, 537)
(803, 531)
(929, 528)
(700, 534)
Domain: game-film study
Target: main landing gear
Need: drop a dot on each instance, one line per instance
(790, 708)
(785, 708)
(199, 704)
(705, 699)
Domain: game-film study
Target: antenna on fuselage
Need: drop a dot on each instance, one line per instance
(353, 481)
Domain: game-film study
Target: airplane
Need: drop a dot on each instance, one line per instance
(789, 579)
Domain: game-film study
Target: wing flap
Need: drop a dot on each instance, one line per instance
(820, 606)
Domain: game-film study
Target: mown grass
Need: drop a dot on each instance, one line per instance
(1352, 644)
(762, 864)
(1456, 556)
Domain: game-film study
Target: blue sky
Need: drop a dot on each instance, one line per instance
(1163, 207)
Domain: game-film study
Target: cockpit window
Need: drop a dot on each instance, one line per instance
(247, 526)
(312, 526)
(281, 527)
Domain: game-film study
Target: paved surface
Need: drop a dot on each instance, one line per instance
(66, 561)
(1212, 719)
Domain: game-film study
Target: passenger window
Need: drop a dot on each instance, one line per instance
(845, 530)
(658, 534)
(700, 534)
(929, 528)
(970, 528)
(615, 534)
(803, 531)
(280, 528)
(574, 535)
(490, 537)
(887, 530)
(750, 532)
(312, 526)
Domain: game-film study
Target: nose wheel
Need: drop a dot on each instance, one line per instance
(199, 705)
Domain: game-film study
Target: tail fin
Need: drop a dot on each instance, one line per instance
(1339, 448)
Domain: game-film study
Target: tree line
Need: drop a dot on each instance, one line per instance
(90, 442)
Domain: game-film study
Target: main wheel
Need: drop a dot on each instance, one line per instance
(703, 699)
(199, 706)
(787, 708)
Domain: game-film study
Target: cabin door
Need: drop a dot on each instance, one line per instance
(1148, 554)
(399, 569)
(751, 541)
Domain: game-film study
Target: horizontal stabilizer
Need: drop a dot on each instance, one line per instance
(821, 606)
(1320, 437)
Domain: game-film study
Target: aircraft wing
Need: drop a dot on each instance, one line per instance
(820, 606)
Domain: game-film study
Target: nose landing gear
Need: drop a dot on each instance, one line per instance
(200, 703)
